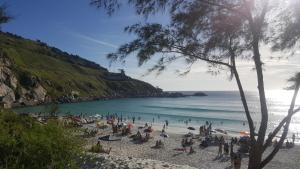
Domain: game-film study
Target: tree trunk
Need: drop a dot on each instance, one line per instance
(255, 157)
(256, 151)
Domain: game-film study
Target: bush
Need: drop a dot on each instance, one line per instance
(27, 144)
(96, 148)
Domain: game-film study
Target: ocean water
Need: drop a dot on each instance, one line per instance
(223, 108)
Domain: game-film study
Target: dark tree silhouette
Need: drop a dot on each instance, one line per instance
(218, 32)
(4, 17)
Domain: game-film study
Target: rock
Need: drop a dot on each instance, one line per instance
(8, 82)
(39, 93)
(7, 95)
(199, 94)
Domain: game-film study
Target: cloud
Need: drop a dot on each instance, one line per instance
(94, 40)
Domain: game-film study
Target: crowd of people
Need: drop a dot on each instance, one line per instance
(225, 147)
(207, 136)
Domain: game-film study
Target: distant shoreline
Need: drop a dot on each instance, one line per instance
(80, 100)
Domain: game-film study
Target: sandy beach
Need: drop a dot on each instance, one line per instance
(131, 153)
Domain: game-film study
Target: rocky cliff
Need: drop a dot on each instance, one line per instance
(31, 72)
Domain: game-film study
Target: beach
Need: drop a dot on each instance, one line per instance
(141, 155)
(223, 108)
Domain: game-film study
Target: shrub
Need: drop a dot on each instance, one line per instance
(96, 148)
(27, 144)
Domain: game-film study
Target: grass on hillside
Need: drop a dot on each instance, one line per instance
(60, 72)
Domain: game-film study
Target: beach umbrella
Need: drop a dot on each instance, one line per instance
(244, 133)
(191, 128)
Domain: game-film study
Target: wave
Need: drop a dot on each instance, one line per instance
(194, 109)
(183, 117)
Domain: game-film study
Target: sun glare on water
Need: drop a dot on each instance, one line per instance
(282, 96)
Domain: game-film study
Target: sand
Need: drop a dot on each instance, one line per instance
(134, 156)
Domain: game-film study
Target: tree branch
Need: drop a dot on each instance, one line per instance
(201, 58)
(242, 95)
(286, 127)
(278, 128)
(256, 32)
(225, 7)
(296, 110)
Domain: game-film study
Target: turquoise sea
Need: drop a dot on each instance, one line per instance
(222, 108)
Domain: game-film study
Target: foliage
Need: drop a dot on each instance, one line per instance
(293, 80)
(27, 144)
(4, 17)
(97, 148)
(218, 32)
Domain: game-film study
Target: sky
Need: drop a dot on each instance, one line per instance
(78, 28)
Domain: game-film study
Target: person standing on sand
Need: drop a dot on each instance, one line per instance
(192, 150)
(183, 144)
(226, 149)
(133, 119)
(167, 123)
(293, 138)
(232, 154)
(237, 161)
(220, 149)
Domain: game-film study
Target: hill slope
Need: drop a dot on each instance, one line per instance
(31, 73)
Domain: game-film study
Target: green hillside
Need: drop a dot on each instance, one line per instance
(63, 75)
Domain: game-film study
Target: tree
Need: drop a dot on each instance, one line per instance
(4, 17)
(218, 32)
